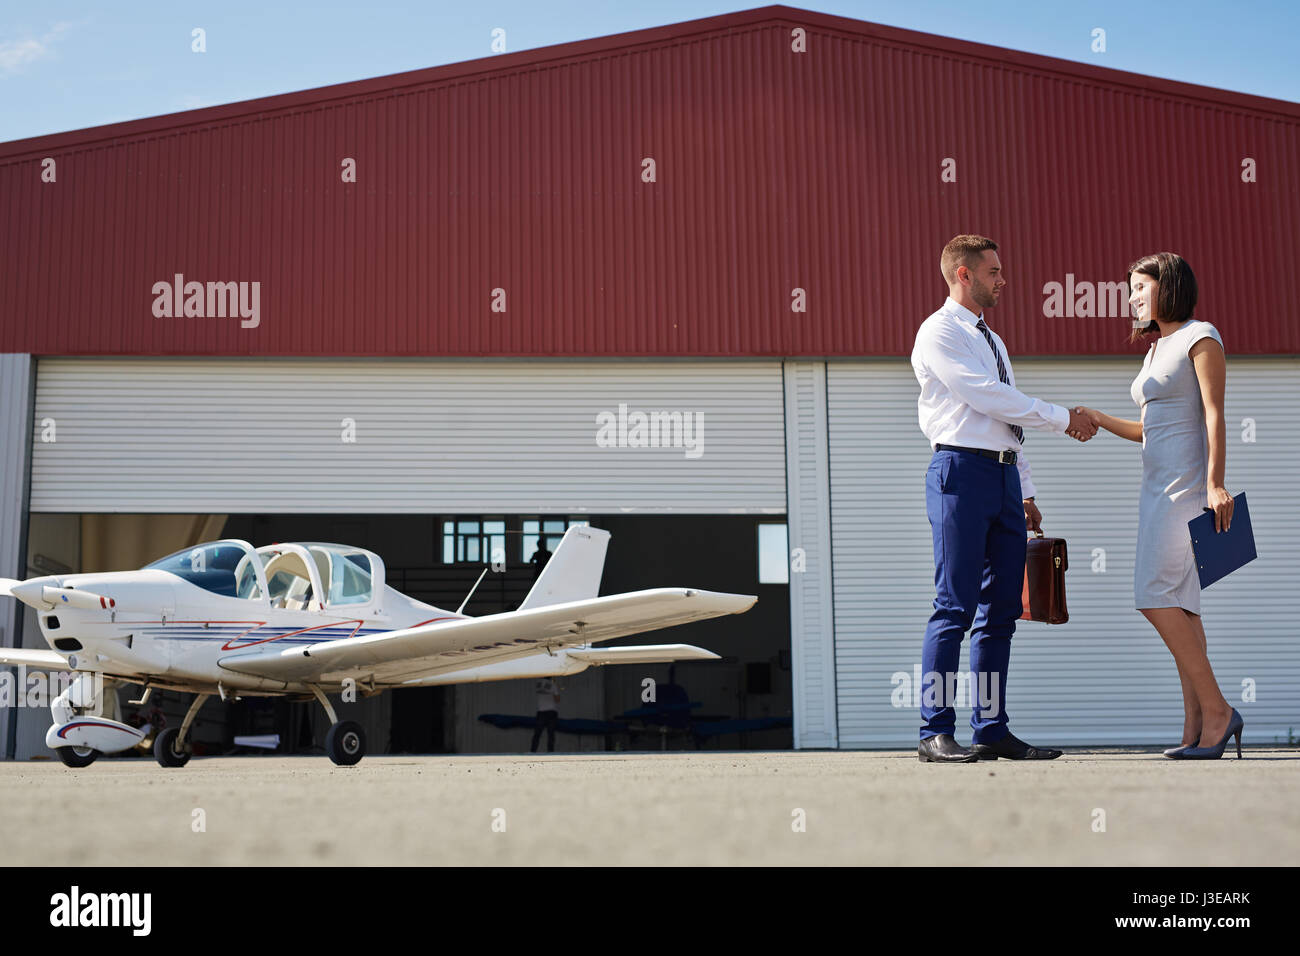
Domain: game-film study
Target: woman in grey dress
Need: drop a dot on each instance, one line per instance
(1184, 442)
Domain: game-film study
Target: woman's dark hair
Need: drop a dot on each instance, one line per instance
(1176, 295)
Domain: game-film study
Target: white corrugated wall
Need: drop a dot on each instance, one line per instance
(15, 400)
(1106, 677)
(812, 626)
(229, 436)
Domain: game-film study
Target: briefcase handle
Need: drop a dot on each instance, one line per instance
(1039, 534)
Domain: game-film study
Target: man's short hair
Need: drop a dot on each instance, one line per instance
(963, 251)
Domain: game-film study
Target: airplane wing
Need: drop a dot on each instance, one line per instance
(32, 659)
(403, 655)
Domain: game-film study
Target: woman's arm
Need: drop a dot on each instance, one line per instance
(1118, 426)
(1212, 372)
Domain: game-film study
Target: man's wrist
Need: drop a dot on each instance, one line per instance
(1060, 426)
(1030, 498)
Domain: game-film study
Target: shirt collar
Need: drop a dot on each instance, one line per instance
(963, 313)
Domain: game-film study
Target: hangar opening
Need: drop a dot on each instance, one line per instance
(433, 465)
(742, 700)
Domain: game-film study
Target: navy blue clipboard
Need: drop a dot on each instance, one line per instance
(1220, 553)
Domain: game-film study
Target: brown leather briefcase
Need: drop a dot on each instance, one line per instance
(1044, 593)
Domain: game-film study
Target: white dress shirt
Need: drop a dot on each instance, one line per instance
(547, 692)
(963, 401)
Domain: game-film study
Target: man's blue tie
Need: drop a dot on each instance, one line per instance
(1002, 372)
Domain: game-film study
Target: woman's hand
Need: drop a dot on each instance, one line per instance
(1220, 503)
(1132, 431)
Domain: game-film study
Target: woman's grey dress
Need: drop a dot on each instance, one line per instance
(1175, 454)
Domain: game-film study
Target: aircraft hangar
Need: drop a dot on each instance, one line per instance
(665, 283)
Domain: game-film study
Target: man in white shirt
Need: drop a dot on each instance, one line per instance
(548, 712)
(980, 501)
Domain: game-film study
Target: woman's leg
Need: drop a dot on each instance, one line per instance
(1184, 635)
(1191, 706)
(1191, 709)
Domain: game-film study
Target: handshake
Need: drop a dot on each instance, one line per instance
(1084, 423)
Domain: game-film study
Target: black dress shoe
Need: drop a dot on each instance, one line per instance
(943, 749)
(1013, 748)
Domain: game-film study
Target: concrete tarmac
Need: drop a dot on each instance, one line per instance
(1094, 808)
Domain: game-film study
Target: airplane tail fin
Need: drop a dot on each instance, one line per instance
(574, 570)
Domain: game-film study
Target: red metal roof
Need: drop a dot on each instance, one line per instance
(775, 171)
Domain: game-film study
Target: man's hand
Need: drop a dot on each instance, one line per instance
(1081, 424)
(1033, 517)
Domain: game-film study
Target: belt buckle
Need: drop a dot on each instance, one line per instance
(1006, 457)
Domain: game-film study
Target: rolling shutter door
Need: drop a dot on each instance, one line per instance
(1105, 677)
(233, 436)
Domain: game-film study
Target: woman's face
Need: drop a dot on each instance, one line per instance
(1142, 298)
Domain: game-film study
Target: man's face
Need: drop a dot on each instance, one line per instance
(986, 280)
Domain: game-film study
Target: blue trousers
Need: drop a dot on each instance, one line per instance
(977, 520)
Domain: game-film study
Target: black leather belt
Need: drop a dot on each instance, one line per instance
(1005, 457)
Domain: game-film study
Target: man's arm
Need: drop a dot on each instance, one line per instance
(946, 356)
(1027, 489)
(1033, 517)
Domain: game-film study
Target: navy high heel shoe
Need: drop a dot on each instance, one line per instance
(1177, 752)
(1235, 726)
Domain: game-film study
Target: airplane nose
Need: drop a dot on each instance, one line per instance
(44, 593)
(31, 592)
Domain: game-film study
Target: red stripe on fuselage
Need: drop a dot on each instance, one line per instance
(230, 645)
(308, 630)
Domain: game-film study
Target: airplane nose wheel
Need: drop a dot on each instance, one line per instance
(77, 756)
(164, 749)
(346, 743)
(171, 748)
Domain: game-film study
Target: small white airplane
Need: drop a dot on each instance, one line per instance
(310, 619)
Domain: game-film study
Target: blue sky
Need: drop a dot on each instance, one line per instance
(69, 65)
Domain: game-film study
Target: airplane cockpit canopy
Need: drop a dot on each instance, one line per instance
(293, 578)
(229, 568)
(349, 573)
(298, 576)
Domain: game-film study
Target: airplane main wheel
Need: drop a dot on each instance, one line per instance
(164, 749)
(77, 756)
(346, 743)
